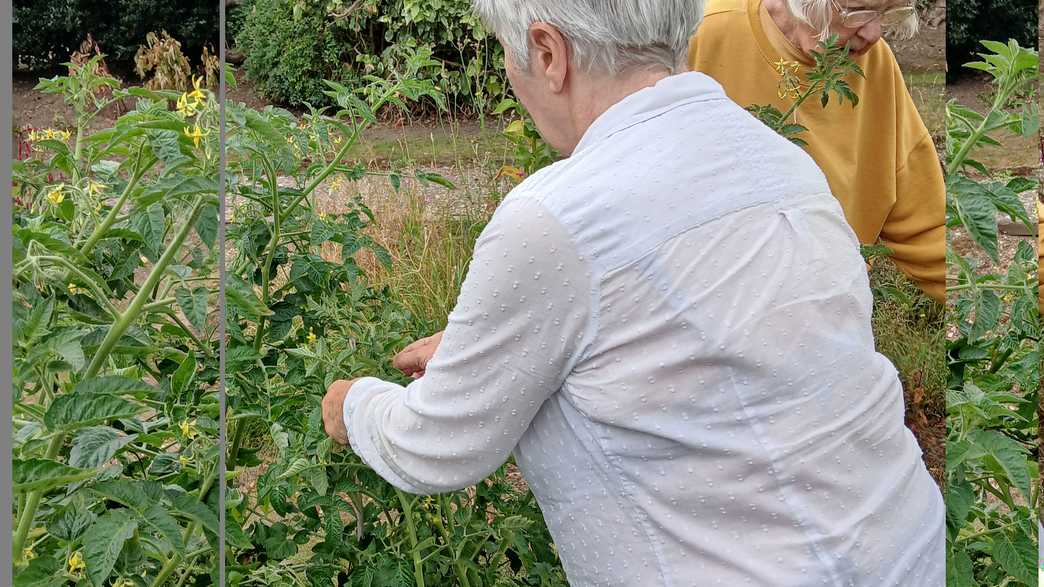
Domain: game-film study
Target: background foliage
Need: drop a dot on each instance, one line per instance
(967, 21)
(45, 33)
(291, 46)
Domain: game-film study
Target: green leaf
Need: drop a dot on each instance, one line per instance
(38, 474)
(959, 500)
(1007, 454)
(959, 572)
(988, 309)
(242, 297)
(183, 376)
(71, 412)
(194, 305)
(35, 324)
(977, 212)
(436, 179)
(207, 225)
(70, 522)
(103, 542)
(113, 385)
(95, 446)
(187, 504)
(157, 517)
(1018, 556)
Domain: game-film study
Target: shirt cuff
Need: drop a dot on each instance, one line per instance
(360, 419)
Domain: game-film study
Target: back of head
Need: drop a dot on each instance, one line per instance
(609, 36)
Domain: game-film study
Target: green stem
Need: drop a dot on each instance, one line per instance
(32, 501)
(999, 286)
(168, 567)
(110, 218)
(407, 513)
(118, 328)
(447, 537)
(141, 298)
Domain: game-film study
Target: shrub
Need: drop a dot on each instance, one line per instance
(291, 47)
(45, 33)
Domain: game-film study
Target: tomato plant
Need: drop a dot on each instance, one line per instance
(299, 317)
(994, 354)
(114, 353)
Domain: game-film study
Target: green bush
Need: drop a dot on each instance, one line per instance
(46, 33)
(291, 46)
(967, 21)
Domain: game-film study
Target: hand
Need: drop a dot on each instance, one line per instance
(413, 359)
(333, 410)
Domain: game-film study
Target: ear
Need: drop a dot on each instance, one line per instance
(549, 55)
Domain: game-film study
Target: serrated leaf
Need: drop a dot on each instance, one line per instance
(104, 540)
(70, 522)
(93, 447)
(242, 297)
(160, 520)
(38, 474)
(1009, 455)
(207, 225)
(1018, 556)
(71, 412)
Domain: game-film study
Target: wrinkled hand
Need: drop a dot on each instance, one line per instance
(333, 410)
(413, 359)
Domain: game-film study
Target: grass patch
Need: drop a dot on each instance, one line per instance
(928, 90)
(908, 329)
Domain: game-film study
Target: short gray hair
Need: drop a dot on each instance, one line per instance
(610, 36)
(818, 14)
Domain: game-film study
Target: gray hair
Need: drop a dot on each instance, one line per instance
(818, 14)
(610, 36)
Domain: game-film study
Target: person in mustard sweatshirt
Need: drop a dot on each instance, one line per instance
(878, 157)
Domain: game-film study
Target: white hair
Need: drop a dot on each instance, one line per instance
(818, 14)
(610, 36)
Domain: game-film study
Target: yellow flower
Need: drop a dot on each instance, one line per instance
(124, 583)
(337, 139)
(196, 92)
(183, 460)
(311, 337)
(186, 108)
(28, 554)
(196, 135)
(73, 290)
(76, 563)
(94, 188)
(188, 428)
(66, 135)
(323, 216)
(56, 196)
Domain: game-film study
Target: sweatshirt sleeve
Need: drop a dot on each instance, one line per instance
(518, 326)
(916, 227)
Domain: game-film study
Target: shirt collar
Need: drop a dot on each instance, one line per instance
(670, 92)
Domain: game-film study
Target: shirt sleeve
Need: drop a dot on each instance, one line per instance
(916, 227)
(520, 322)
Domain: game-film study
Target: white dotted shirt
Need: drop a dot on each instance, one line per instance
(671, 330)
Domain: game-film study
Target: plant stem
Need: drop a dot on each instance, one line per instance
(31, 503)
(140, 299)
(110, 219)
(444, 505)
(168, 567)
(407, 512)
(108, 343)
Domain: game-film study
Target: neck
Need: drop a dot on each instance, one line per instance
(599, 93)
(786, 22)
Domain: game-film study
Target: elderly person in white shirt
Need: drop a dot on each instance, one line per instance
(670, 330)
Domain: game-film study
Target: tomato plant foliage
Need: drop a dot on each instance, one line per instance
(301, 313)
(993, 355)
(114, 353)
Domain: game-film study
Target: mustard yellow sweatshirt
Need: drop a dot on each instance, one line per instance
(878, 157)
